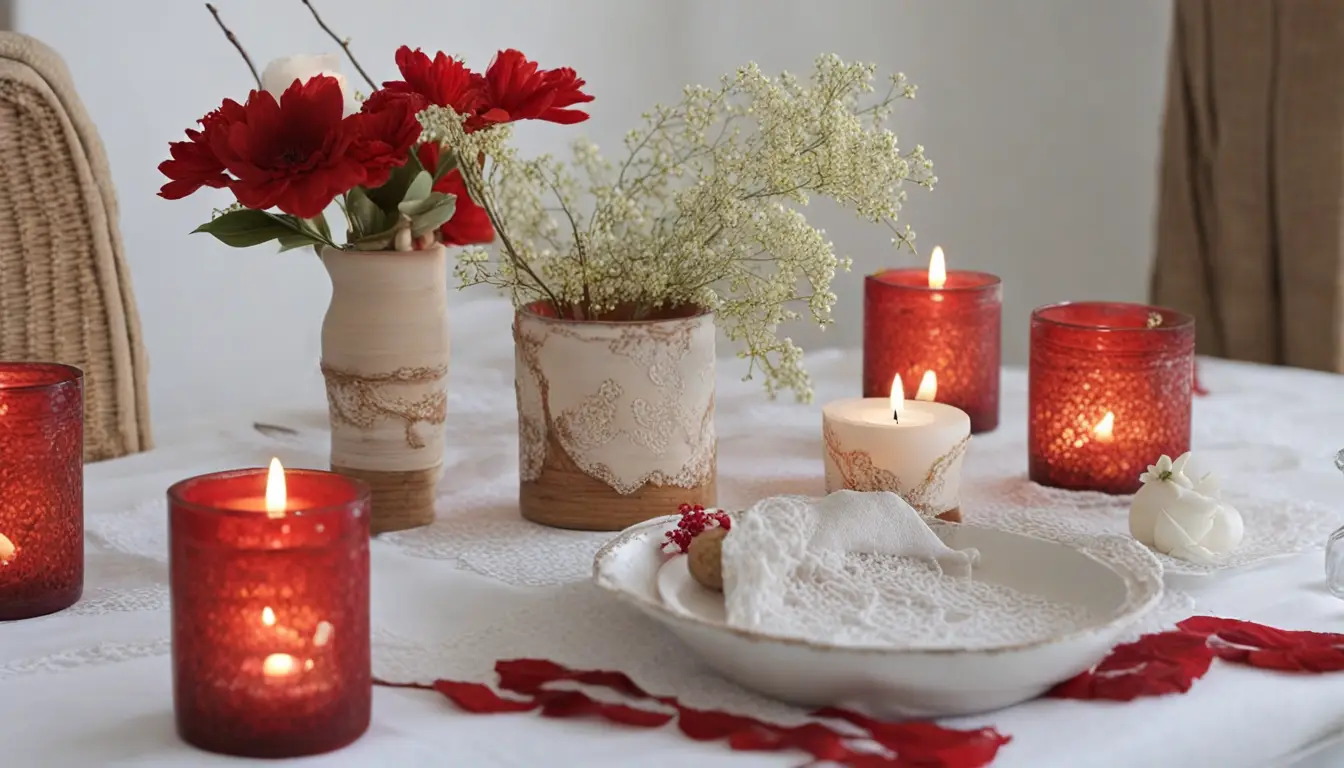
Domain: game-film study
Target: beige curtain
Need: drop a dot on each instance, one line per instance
(1250, 234)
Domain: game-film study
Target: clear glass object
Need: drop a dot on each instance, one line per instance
(1334, 551)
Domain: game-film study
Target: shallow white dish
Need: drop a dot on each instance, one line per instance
(1116, 577)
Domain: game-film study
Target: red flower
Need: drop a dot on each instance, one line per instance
(445, 82)
(514, 89)
(293, 154)
(384, 133)
(470, 224)
(194, 164)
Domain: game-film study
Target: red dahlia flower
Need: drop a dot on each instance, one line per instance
(293, 154)
(194, 164)
(445, 82)
(384, 133)
(514, 89)
(470, 224)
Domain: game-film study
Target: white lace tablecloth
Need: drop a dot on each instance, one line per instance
(92, 686)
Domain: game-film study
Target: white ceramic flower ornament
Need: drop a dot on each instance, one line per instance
(1181, 517)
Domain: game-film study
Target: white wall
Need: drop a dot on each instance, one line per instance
(1041, 117)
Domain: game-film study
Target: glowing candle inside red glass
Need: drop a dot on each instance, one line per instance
(270, 591)
(1109, 392)
(41, 488)
(922, 323)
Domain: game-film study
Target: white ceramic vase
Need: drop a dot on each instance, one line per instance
(385, 361)
(615, 418)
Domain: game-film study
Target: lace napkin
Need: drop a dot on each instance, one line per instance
(827, 569)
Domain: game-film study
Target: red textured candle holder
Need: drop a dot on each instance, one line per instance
(1091, 359)
(910, 328)
(270, 614)
(41, 488)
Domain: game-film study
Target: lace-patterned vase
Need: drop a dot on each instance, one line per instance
(385, 360)
(615, 418)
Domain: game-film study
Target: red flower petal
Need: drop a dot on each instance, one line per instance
(1154, 665)
(1256, 645)
(1199, 388)
(444, 81)
(922, 745)
(470, 224)
(292, 154)
(477, 698)
(513, 88)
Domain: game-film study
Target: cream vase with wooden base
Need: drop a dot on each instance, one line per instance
(615, 419)
(385, 360)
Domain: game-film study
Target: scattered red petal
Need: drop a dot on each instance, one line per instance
(477, 698)
(1199, 388)
(909, 745)
(1257, 645)
(1154, 665)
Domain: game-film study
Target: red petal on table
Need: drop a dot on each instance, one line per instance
(1256, 645)
(579, 704)
(925, 743)
(529, 675)
(709, 725)
(1153, 665)
(479, 699)
(909, 745)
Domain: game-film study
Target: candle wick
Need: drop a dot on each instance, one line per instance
(896, 416)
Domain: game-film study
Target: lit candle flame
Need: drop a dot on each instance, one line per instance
(276, 495)
(1104, 431)
(7, 549)
(897, 398)
(268, 616)
(937, 268)
(928, 387)
(279, 665)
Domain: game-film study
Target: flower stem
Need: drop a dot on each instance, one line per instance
(234, 39)
(344, 42)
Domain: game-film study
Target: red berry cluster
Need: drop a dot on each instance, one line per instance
(695, 521)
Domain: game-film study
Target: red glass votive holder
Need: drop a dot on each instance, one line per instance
(910, 328)
(41, 488)
(1109, 392)
(270, 613)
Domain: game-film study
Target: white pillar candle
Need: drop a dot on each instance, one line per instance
(913, 449)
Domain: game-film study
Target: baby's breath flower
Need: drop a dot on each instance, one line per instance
(702, 210)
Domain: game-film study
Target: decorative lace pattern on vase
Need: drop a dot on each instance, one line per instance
(861, 474)
(629, 404)
(361, 400)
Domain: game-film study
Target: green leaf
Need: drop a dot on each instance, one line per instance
(319, 225)
(245, 227)
(434, 217)
(413, 208)
(295, 240)
(447, 163)
(393, 191)
(365, 215)
(419, 189)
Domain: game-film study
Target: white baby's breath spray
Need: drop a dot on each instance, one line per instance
(702, 210)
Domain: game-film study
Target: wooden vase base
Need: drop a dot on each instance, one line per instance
(565, 497)
(401, 500)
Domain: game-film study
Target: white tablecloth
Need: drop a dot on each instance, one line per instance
(91, 686)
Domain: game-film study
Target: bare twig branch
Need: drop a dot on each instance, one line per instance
(234, 39)
(344, 42)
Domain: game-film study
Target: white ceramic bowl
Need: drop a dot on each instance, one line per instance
(1117, 578)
